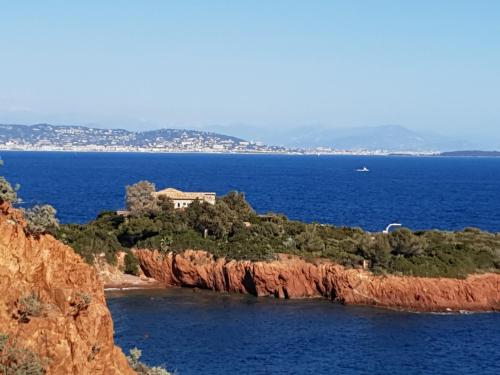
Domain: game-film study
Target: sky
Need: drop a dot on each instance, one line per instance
(425, 65)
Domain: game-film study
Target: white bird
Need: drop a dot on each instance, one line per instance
(386, 230)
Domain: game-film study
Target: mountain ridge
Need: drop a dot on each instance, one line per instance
(382, 137)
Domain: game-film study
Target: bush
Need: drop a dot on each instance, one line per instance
(80, 302)
(142, 369)
(191, 239)
(165, 204)
(236, 202)
(7, 192)
(139, 198)
(29, 305)
(3, 340)
(404, 242)
(90, 240)
(138, 228)
(376, 249)
(18, 361)
(41, 219)
(310, 240)
(131, 264)
(217, 219)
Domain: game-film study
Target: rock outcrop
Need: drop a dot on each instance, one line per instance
(292, 277)
(113, 277)
(69, 327)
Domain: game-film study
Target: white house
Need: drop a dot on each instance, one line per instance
(182, 199)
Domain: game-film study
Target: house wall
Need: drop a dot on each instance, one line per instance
(182, 203)
(210, 199)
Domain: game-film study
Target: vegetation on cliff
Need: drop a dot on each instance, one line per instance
(16, 360)
(233, 230)
(40, 219)
(141, 368)
(7, 192)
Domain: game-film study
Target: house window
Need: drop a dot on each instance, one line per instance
(178, 205)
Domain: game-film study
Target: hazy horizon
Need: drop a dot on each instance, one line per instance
(272, 68)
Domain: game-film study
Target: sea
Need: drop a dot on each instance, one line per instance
(193, 332)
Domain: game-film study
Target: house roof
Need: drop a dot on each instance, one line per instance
(177, 194)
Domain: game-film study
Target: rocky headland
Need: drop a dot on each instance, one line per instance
(53, 314)
(292, 277)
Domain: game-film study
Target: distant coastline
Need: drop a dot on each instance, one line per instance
(221, 152)
(472, 153)
(69, 138)
(281, 151)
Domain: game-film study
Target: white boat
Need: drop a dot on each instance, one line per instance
(364, 169)
(393, 225)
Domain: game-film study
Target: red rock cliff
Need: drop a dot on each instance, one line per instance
(73, 333)
(292, 277)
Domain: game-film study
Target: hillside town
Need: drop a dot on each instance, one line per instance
(45, 137)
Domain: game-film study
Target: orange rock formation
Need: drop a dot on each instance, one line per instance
(73, 333)
(292, 277)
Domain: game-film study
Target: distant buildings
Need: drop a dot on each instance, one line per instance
(182, 199)
(44, 137)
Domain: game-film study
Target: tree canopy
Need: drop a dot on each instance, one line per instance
(232, 229)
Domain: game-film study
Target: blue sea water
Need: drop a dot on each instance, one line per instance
(419, 192)
(211, 333)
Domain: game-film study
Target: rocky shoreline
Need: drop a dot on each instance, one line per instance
(292, 277)
(113, 277)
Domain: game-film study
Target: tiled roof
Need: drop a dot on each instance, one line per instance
(177, 194)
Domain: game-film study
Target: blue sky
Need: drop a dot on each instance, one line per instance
(427, 65)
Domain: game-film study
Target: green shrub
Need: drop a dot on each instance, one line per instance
(3, 340)
(375, 248)
(29, 306)
(404, 242)
(90, 240)
(7, 192)
(15, 360)
(236, 203)
(310, 240)
(165, 204)
(217, 219)
(80, 302)
(41, 219)
(141, 368)
(131, 264)
(191, 239)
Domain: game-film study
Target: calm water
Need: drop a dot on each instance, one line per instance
(220, 334)
(211, 333)
(421, 193)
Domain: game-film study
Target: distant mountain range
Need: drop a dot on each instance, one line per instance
(386, 137)
(45, 136)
